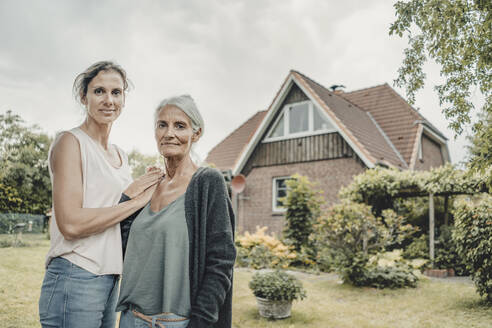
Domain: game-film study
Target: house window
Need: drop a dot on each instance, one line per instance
(298, 120)
(279, 191)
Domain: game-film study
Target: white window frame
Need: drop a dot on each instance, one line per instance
(420, 152)
(274, 194)
(285, 113)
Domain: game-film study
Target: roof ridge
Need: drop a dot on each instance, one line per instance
(307, 77)
(375, 86)
(331, 92)
(239, 127)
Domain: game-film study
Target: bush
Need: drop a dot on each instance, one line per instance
(383, 270)
(418, 248)
(303, 205)
(390, 277)
(391, 270)
(277, 286)
(447, 256)
(350, 233)
(325, 259)
(259, 251)
(473, 236)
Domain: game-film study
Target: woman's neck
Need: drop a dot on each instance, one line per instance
(177, 168)
(98, 132)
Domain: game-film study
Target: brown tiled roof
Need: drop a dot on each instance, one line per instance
(393, 114)
(228, 151)
(358, 123)
(377, 120)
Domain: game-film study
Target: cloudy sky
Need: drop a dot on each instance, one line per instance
(231, 56)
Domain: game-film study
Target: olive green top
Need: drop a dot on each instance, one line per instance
(156, 267)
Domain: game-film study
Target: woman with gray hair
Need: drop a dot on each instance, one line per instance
(180, 253)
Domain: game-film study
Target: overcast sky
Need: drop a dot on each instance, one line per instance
(231, 56)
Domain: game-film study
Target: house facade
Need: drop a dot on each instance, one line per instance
(328, 136)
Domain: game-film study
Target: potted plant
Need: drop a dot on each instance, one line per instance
(275, 292)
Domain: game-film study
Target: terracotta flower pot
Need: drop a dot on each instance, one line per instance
(274, 309)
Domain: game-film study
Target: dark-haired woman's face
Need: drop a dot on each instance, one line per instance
(105, 97)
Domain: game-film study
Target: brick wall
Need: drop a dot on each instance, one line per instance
(255, 203)
(431, 155)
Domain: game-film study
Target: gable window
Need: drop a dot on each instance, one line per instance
(299, 120)
(279, 191)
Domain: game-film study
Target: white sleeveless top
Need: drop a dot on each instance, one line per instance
(102, 185)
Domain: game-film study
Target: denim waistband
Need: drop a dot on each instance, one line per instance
(163, 317)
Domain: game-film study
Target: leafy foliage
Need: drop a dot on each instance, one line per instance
(303, 207)
(480, 149)
(390, 270)
(473, 236)
(447, 256)
(352, 232)
(418, 248)
(9, 199)
(374, 186)
(260, 250)
(351, 228)
(24, 164)
(139, 162)
(456, 35)
(277, 286)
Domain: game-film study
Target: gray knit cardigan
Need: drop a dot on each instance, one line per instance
(210, 222)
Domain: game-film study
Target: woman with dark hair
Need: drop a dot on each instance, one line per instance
(88, 175)
(180, 253)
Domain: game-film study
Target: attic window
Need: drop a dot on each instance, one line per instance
(298, 120)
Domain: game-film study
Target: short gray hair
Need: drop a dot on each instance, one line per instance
(188, 106)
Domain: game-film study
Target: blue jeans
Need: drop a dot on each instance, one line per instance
(128, 320)
(73, 297)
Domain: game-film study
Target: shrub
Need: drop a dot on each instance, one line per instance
(473, 236)
(447, 256)
(303, 205)
(383, 270)
(277, 286)
(390, 277)
(325, 259)
(418, 248)
(259, 251)
(352, 233)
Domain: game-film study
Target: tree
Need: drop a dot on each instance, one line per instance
(480, 148)
(139, 162)
(9, 199)
(303, 203)
(456, 35)
(24, 165)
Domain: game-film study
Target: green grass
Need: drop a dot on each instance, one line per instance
(329, 304)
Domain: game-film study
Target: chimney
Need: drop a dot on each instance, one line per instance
(337, 88)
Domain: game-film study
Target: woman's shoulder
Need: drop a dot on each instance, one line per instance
(209, 174)
(65, 139)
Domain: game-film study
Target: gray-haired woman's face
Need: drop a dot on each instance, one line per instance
(173, 132)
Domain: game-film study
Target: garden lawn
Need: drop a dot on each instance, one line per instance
(329, 304)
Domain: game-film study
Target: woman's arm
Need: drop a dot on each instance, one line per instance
(220, 253)
(72, 219)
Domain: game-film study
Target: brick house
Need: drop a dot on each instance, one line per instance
(329, 136)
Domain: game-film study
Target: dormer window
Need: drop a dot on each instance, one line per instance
(299, 120)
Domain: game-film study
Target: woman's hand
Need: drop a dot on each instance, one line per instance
(142, 183)
(145, 196)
